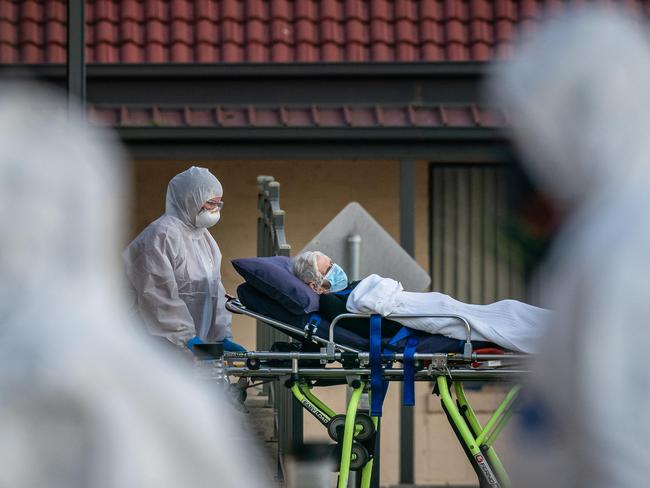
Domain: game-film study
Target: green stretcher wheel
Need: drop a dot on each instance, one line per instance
(359, 456)
(364, 425)
(367, 427)
(336, 424)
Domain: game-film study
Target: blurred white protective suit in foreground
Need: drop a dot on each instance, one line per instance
(175, 266)
(85, 401)
(579, 103)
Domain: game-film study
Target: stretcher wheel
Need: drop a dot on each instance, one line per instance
(335, 424)
(367, 427)
(253, 363)
(359, 456)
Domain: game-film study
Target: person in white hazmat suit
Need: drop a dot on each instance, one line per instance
(579, 105)
(86, 398)
(174, 266)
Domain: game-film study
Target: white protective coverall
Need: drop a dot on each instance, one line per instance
(174, 266)
(579, 104)
(86, 399)
(508, 323)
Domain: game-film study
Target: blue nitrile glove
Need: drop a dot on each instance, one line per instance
(193, 341)
(231, 346)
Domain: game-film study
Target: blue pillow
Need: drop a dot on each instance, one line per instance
(273, 277)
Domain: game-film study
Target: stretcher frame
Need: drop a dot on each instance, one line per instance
(448, 372)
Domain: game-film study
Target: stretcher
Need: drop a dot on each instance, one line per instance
(321, 360)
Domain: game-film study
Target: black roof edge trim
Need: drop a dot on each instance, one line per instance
(171, 135)
(239, 70)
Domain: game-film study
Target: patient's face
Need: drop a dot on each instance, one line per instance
(324, 264)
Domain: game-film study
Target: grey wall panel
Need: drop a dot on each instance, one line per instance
(470, 256)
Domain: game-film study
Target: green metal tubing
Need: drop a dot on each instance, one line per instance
(490, 454)
(456, 416)
(498, 413)
(348, 435)
(315, 400)
(366, 475)
(502, 423)
(462, 400)
(309, 406)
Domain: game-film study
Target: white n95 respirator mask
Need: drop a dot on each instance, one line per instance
(207, 219)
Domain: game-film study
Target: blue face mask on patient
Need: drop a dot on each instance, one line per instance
(337, 278)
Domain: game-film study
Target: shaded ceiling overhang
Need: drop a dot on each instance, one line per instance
(294, 110)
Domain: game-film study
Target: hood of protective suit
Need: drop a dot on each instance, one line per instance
(580, 111)
(188, 191)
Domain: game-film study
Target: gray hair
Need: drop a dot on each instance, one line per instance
(305, 267)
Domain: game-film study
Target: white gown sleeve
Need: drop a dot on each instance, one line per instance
(374, 294)
(152, 275)
(223, 317)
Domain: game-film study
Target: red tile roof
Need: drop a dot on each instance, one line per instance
(314, 116)
(214, 31)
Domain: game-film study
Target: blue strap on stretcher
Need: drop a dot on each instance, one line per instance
(343, 293)
(409, 362)
(378, 386)
(313, 321)
(401, 334)
(409, 371)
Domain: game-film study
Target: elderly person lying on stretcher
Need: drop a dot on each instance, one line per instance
(511, 324)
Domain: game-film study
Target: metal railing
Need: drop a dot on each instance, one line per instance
(272, 241)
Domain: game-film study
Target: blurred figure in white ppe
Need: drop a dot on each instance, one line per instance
(578, 99)
(86, 400)
(174, 266)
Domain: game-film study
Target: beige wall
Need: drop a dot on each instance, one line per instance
(312, 193)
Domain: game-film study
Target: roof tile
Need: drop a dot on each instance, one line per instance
(180, 52)
(306, 32)
(356, 11)
(30, 10)
(380, 9)
(131, 53)
(131, 10)
(307, 9)
(330, 10)
(232, 33)
(232, 53)
(156, 33)
(505, 9)
(106, 53)
(8, 53)
(280, 10)
(405, 9)
(181, 9)
(231, 9)
(55, 10)
(156, 10)
(210, 31)
(181, 31)
(307, 53)
(8, 11)
(356, 33)
(481, 9)
(256, 52)
(382, 52)
(155, 53)
(257, 31)
(205, 9)
(8, 33)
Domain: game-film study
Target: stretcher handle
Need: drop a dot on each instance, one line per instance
(467, 351)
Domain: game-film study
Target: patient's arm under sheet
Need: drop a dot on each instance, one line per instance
(511, 324)
(332, 305)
